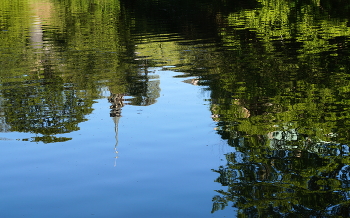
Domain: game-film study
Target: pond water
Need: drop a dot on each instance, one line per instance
(142, 108)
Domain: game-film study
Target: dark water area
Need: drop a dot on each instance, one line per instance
(174, 108)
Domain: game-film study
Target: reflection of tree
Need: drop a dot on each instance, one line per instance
(4, 127)
(116, 122)
(284, 182)
(44, 107)
(279, 84)
(41, 102)
(144, 88)
(55, 71)
(117, 103)
(189, 18)
(279, 90)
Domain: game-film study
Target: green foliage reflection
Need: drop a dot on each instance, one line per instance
(279, 98)
(58, 56)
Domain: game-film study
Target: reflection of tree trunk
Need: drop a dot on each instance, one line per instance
(117, 104)
(39, 44)
(36, 34)
(116, 122)
(4, 127)
(116, 109)
(42, 13)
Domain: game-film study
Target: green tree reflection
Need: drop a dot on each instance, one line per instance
(278, 75)
(57, 56)
(279, 96)
(285, 181)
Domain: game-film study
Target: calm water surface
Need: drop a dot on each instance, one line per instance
(113, 108)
